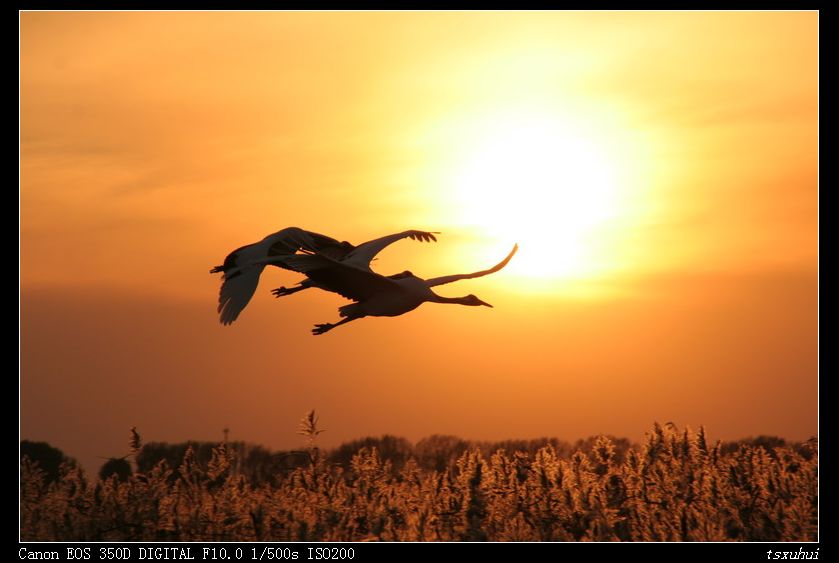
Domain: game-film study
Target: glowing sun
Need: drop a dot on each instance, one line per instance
(537, 181)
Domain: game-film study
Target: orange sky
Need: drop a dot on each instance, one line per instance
(660, 171)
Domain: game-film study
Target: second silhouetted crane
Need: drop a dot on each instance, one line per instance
(375, 295)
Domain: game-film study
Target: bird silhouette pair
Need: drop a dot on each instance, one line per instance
(335, 266)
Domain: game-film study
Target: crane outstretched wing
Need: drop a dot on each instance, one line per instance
(236, 292)
(456, 277)
(242, 267)
(364, 253)
(294, 239)
(284, 242)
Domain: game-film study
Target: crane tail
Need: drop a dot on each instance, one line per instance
(351, 310)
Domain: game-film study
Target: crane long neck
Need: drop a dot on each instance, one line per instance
(440, 299)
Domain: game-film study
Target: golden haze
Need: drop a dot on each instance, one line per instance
(660, 171)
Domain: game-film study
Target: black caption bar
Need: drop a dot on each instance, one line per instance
(370, 551)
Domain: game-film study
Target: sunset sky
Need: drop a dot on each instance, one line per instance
(658, 170)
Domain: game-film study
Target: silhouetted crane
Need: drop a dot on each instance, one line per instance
(375, 295)
(243, 267)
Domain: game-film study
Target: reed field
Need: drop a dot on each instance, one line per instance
(673, 487)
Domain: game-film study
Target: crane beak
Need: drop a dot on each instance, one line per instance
(484, 303)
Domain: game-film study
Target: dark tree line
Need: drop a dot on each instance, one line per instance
(48, 458)
(260, 465)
